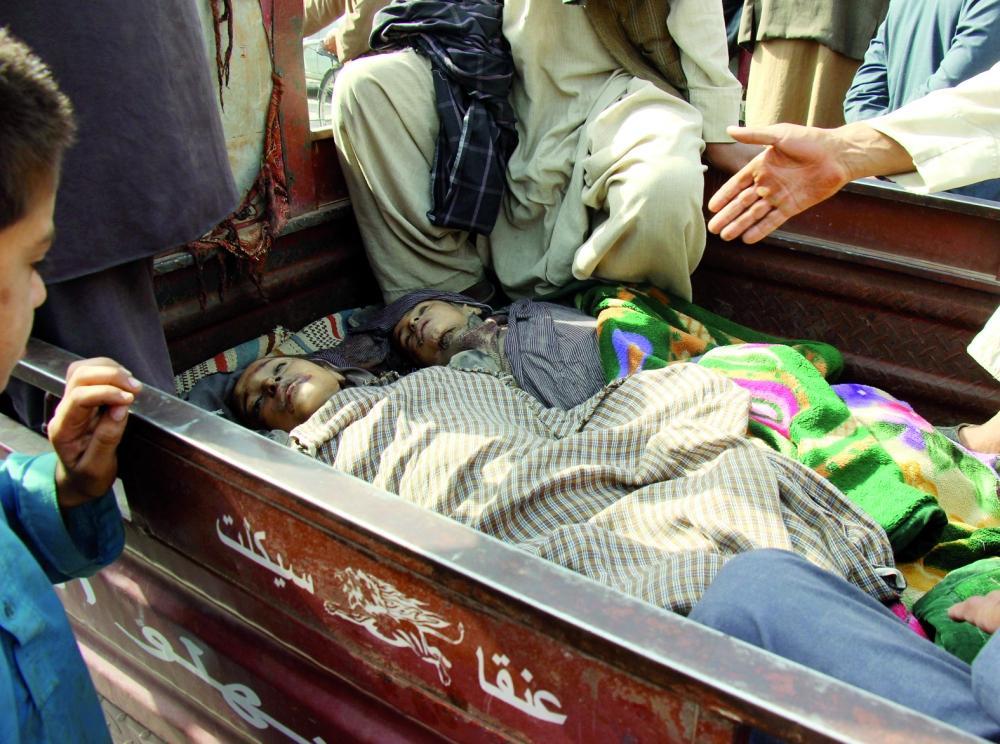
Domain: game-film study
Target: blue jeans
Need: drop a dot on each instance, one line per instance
(781, 602)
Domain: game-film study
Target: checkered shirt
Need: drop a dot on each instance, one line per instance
(649, 486)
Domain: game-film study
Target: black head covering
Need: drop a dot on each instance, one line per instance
(213, 392)
(368, 346)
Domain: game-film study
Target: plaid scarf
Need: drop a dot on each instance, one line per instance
(472, 69)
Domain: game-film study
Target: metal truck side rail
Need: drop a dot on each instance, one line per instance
(264, 594)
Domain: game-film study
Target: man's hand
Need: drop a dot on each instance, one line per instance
(800, 167)
(731, 156)
(983, 612)
(87, 426)
(330, 43)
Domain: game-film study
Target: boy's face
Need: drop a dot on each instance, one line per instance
(22, 245)
(425, 334)
(283, 392)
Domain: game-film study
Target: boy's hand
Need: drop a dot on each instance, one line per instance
(983, 611)
(87, 427)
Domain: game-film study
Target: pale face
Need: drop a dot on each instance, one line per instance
(426, 334)
(283, 392)
(22, 245)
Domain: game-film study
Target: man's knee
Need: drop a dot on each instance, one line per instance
(676, 187)
(355, 85)
(383, 102)
(748, 591)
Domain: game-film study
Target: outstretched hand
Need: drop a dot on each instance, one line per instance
(87, 426)
(799, 168)
(981, 611)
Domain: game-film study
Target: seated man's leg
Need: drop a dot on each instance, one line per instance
(644, 171)
(781, 602)
(386, 128)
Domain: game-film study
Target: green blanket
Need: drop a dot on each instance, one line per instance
(647, 328)
(936, 500)
(963, 639)
(793, 408)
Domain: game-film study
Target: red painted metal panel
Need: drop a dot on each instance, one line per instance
(218, 669)
(330, 183)
(442, 648)
(377, 593)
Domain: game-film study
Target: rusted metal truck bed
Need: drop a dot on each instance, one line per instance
(266, 597)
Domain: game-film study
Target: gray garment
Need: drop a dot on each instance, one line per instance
(550, 350)
(109, 313)
(845, 26)
(553, 352)
(150, 170)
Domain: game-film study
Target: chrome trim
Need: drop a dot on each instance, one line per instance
(913, 266)
(943, 200)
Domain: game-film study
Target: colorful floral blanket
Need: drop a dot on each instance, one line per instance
(936, 500)
(964, 483)
(647, 328)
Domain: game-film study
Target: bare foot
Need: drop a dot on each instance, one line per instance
(984, 438)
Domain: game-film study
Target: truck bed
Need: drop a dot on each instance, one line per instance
(265, 597)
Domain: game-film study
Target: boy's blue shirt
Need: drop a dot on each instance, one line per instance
(46, 694)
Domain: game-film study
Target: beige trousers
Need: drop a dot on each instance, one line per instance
(798, 81)
(627, 207)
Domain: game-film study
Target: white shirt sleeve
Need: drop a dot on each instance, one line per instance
(951, 134)
(698, 28)
(985, 349)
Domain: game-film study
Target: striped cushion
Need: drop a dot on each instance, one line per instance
(321, 334)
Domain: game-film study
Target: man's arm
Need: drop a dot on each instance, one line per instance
(352, 36)
(869, 93)
(950, 137)
(318, 14)
(699, 30)
(975, 47)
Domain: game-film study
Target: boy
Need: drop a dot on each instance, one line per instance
(59, 517)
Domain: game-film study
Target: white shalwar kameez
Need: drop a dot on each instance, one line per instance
(953, 136)
(606, 181)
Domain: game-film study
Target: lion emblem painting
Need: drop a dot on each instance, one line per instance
(392, 617)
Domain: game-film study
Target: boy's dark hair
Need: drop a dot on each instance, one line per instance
(36, 125)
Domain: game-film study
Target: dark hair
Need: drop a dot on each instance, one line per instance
(36, 126)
